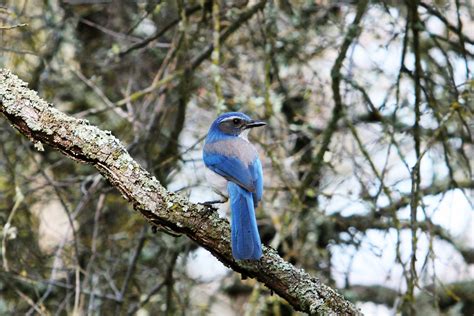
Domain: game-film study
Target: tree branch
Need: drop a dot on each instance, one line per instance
(42, 123)
(446, 295)
(337, 112)
(362, 223)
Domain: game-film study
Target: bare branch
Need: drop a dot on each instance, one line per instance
(336, 77)
(446, 295)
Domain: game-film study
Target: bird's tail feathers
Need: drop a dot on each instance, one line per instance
(246, 242)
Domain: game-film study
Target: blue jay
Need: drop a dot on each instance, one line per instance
(228, 153)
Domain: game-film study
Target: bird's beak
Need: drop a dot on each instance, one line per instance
(252, 124)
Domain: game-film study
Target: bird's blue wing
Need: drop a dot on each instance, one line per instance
(232, 169)
(257, 177)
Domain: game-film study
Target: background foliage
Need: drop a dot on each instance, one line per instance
(367, 155)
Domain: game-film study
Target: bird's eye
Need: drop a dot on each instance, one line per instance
(236, 121)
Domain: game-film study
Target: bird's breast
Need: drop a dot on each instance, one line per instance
(238, 148)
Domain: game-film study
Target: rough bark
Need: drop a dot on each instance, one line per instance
(42, 123)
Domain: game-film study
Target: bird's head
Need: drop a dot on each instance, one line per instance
(234, 123)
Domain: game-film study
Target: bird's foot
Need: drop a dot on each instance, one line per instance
(211, 203)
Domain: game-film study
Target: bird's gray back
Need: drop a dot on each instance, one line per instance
(234, 147)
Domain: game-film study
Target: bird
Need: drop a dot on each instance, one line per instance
(228, 152)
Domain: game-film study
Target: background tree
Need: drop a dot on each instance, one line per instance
(370, 115)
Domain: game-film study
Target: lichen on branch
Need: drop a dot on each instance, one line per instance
(77, 139)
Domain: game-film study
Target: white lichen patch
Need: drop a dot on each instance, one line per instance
(39, 146)
(85, 133)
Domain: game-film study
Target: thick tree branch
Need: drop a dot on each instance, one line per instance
(42, 123)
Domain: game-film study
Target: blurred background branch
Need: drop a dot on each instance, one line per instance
(349, 98)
